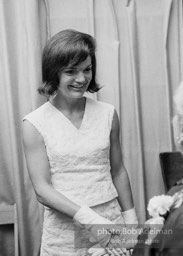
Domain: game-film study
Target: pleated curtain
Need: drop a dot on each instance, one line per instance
(139, 64)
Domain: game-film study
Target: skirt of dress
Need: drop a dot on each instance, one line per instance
(63, 237)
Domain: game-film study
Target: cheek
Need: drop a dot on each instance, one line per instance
(89, 77)
(65, 81)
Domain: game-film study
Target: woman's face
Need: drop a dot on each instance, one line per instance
(75, 81)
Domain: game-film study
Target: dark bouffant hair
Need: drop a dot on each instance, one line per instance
(68, 48)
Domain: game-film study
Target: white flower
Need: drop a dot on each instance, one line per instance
(159, 205)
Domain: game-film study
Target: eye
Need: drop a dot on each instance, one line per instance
(70, 71)
(88, 69)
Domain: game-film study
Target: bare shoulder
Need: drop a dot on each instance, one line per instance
(31, 136)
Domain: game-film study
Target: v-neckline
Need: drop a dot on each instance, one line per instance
(67, 119)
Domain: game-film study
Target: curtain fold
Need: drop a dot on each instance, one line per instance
(106, 35)
(134, 60)
(20, 76)
(180, 33)
(166, 20)
(173, 54)
(139, 64)
(6, 137)
(90, 15)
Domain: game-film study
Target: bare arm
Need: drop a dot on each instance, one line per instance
(39, 171)
(118, 171)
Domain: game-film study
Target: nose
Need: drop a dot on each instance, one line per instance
(80, 77)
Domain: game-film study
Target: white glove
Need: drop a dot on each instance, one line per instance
(130, 217)
(93, 223)
(86, 215)
(96, 251)
(108, 235)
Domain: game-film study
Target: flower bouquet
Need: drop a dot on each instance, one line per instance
(159, 208)
(163, 204)
(167, 238)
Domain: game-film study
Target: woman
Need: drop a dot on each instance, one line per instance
(73, 151)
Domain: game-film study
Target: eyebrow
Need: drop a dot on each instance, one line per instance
(89, 65)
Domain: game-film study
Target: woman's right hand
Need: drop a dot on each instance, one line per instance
(98, 226)
(96, 250)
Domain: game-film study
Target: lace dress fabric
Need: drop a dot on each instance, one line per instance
(66, 238)
(79, 167)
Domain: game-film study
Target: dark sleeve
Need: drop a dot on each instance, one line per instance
(169, 242)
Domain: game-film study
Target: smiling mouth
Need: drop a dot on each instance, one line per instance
(78, 86)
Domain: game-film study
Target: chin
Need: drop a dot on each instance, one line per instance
(77, 95)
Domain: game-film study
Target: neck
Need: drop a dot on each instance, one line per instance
(68, 104)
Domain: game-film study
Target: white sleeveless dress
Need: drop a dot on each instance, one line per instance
(80, 170)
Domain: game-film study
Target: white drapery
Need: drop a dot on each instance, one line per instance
(139, 63)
